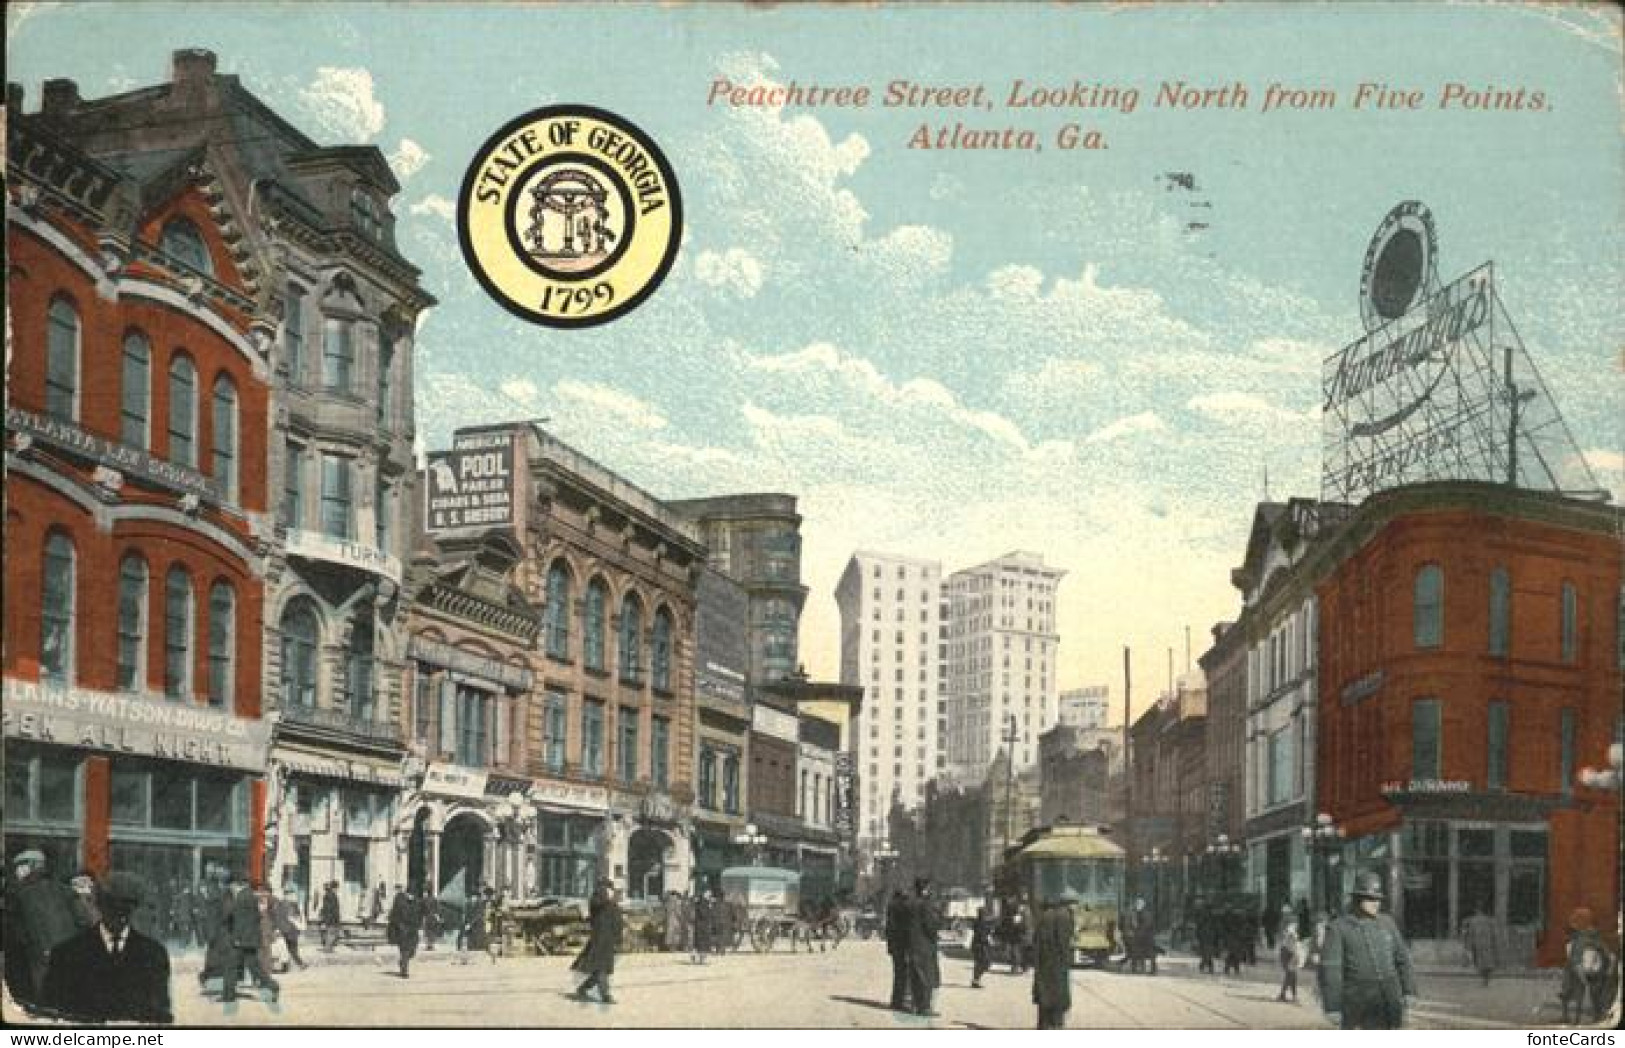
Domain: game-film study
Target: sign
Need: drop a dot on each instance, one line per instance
(438, 653)
(333, 768)
(313, 545)
(1399, 264)
(845, 789)
(454, 780)
(471, 486)
(659, 807)
(133, 724)
(571, 795)
(65, 436)
(777, 723)
(1427, 786)
(501, 786)
(1364, 688)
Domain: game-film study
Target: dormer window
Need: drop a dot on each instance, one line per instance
(182, 242)
(365, 214)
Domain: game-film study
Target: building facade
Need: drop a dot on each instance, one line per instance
(1085, 708)
(1224, 666)
(136, 520)
(722, 725)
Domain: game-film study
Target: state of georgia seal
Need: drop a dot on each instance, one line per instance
(569, 216)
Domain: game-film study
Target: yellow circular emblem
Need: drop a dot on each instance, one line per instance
(569, 216)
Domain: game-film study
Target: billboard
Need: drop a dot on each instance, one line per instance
(472, 485)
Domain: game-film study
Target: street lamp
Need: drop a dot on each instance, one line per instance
(1221, 851)
(1323, 836)
(752, 841)
(1603, 778)
(1156, 860)
(515, 814)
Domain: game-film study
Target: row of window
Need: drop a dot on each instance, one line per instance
(1427, 612)
(301, 647)
(719, 779)
(339, 359)
(1427, 744)
(629, 647)
(59, 604)
(64, 379)
(337, 496)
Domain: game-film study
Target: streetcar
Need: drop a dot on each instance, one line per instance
(1083, 860)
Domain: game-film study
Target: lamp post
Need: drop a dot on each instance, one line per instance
(1220, 852)
(752, 841)
(1323, 836)
(1157, 861)
(516, 815)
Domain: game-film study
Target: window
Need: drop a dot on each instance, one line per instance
(386, 365)
(364, 214)
(730, 784)
(299, 655)
(557, 622)
(660, 752)
(423, 703)
(293, 496)
(1428, 607)
(630, 648)
(182, 242)
(358, 669)
(1425, 742)
(592, 738)
(293, 334)
(1565, 767)
(336, 496)
(1496, 768)
(1571, 616)
(1500, 611)
(338, 354)
(222, 638)
(473, 727)
(62, 361)
(132, 624)
(628, 750)
(225, 436)
(593, 639)
(661, 657)
(383, 513)
(135, 390)
(178, 633)
(708, 778)
(182, 412)
(57, 612)
(553, 730)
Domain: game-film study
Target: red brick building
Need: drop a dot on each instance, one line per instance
(135, 500)
(1470, 657)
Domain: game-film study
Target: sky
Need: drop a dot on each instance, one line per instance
(952, 354)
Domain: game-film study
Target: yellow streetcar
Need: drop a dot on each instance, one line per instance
(1080, 859)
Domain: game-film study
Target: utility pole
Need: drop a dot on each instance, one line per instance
(1009, 775)
(1128, 768)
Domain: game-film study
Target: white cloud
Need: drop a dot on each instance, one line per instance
(1144, 422)
(408, 159)
(435, 204)
(735, 269)
(1244, 408)
(623, 406)
(342, 104)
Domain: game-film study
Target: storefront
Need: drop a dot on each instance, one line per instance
(330, 820)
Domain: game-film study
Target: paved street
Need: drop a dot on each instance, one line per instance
(843, 989)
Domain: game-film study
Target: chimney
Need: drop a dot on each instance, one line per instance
(59, 97)
(192, 64)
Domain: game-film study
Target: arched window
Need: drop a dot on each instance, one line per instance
(558, 611)
(135, 395)
(630, 649)
(1427, 609)
(660, 659)
(178, 633)
(183, 412)
(57, 612)
(1500, 611)
(182, 242)
(593, 638)
(1571, 622)
(132, 624)
(225, 436)
(222, 644)
(358, 675)
(298, 628)
(62, 361)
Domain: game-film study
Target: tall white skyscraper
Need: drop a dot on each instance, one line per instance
(1001, 661)
(890, 645)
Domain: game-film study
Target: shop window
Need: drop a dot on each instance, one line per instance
(222, 644)
(661, 657)
(135, 390)
(660, 752)
(171, 801)
(293, 333)
(1571, 622)
(1500, 611)
(628, 749)
(1425, 741)
(131, 804)
(216, 803)
(557, 624)
(1425, 880)
(178, 633)
(1496, 765)
(183, 412)
(1428, 607)
(592, 738)
(358, 674)
(336, 500)
(299, 655)
(225, 436)
(630, 648)
(338, 355)
(182, 242)
(41, 787)
(554, 719)
(62, 361)
(57, 611)
(593, 631)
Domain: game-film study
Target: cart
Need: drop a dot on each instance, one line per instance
(770, 899)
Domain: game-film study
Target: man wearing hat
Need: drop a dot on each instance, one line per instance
(40, 913)
(244, 935)
(1052, 962)
(1365, 971)
(923, 923)
(110, 972)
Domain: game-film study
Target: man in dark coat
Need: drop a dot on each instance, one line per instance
(405, 919)
(924, 974)
(701, 922)
(897, 940)
(1207, 936)
(981, 945)
(110, 972)
(40, 913)
(597, 959)
(328, 917)
(1052, 963)
(286, 917)
(244, 936)
(1365, 972)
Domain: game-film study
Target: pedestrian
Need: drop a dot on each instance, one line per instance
(405, 921)
(1052, 962)
(1207, 936)
(727, 920)
(981, 944)
(897, 941)
(269, 936)
(676, 921)
(1237, 931)
(923, 922)
(701, 919)
(496, 913)
(1251, 932)
(1481, 934)
(1145, 938)
(1272, 920)
(476, 933)
(433, 924)
(110, 972)
(288, 922)
(373, 911)
(1291, 954)
(244, 936)
(1366, 976)
(40, 913)
(597, 958)
(1587, 969)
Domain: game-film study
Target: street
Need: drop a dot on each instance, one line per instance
(844, 989)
